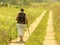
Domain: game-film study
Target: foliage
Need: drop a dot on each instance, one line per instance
(8, 21)
(56, 18)
(38, 35)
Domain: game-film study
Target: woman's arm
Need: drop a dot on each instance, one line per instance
(16, 17)
(26, 19)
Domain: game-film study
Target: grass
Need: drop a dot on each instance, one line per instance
(38, 35)
(55, 7)
(8, 22)
(56, 19)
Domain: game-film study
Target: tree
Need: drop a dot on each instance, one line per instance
(26, 2)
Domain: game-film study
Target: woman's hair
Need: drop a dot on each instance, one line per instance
(22, 9)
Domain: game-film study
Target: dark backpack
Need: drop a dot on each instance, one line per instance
(21, 18)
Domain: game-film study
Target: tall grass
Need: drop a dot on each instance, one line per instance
(56, 18)
(38, 35)
(55, 7)
(8, 21)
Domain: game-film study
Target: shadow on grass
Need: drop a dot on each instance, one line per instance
(19, 42)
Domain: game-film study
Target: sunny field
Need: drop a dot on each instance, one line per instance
(55, 7)
(56, 18)
(37, 37)
(8, 21)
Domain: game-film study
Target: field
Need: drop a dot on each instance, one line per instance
(55, 7)
(38, 35)
(8, 21)
(56, 18)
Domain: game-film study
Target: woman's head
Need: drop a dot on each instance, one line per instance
(22, 10)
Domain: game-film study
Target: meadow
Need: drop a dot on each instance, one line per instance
(37, 37)
(56, 19)
(8, 23)
(55, 7)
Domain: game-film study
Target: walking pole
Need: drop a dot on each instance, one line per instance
(28, 29)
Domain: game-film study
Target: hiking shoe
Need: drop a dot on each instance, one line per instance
(21, 41)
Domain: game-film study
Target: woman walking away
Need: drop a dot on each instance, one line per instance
(21, 23)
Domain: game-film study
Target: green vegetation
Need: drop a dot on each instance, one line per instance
(8, 21)
(33, 8)
(55, 7)
(56, 19)
(38, 35)
(22, 2)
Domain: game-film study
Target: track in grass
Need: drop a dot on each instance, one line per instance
(31, 28)
(8, 22)
(37, 36)
(50, 35)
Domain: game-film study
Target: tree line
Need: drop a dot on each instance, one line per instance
(22, 2)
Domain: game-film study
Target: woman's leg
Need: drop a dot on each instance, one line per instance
(21, 38)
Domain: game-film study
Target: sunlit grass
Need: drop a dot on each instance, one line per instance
(8, 21)
(56, 19)
(38, 35)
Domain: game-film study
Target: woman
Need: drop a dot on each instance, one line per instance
(21, 23)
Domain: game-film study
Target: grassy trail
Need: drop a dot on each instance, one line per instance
(50, 35)
(31, 28)
(8, 21)
(38, 35)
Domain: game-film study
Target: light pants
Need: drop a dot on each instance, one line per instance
(20, 29)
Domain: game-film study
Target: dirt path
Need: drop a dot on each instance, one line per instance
(50, 36)
(32, 27)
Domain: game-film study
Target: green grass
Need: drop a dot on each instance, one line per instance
(38, 35)
(55, 7)
(56, 19)
(8, 22)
